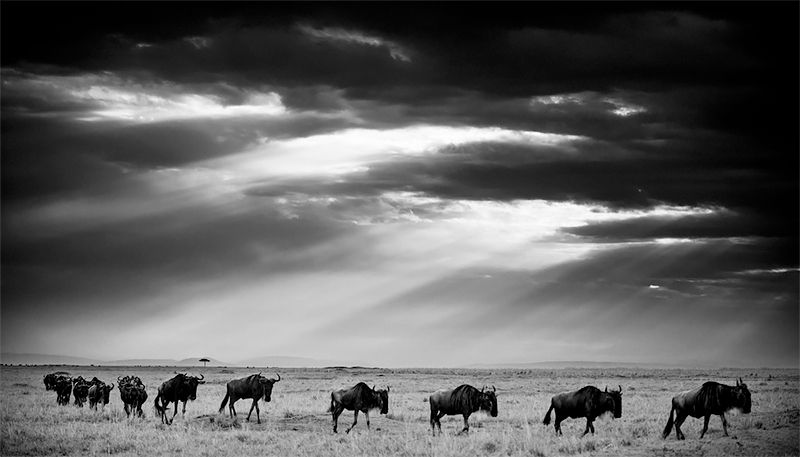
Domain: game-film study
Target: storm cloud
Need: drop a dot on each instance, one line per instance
(505, 186)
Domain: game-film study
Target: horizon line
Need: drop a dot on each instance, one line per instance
(563, 364)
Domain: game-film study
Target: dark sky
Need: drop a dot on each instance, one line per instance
(408, 184)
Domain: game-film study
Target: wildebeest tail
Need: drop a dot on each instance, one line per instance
(670, 422)
(157, 404)
(224, 402)
(546, 420)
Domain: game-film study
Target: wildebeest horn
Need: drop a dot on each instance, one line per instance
(493, 389)
(279, 377)
(373, 388)
(388, 388)
(740, 382)
(620, 389)
(606, 388)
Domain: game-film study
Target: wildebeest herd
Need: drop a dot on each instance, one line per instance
(589, 402)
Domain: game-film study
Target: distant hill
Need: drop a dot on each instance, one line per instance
(44, 359)
(292, 362)
(568, 364)
(144, 362)
(270, 361)
(190, 362)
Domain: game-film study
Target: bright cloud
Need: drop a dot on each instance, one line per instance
(616, 103)
(107, 96)
(350, 150)
(350, 36)
(141, 106)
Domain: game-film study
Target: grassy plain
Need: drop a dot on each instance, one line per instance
(296, 422)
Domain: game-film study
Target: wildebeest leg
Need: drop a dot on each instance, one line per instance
(366, 413)
(466, 424)
(355, 421)
(678, 421)
(557, 424)
(724, 424)
(438, 421)
(705, 424)
(127, 410)
(336, 411)
(589, 426)
(231, 409)
(254, 405)
(175, 413)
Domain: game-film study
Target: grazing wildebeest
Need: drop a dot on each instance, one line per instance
(589, 402)
(711, 398)
(80, 389)
(358, 398)
(133, 394)
(50, 379)
(254, 386)
(180, 388)
(463, 400)
(63, 389)
(130, 379)
(99, 392)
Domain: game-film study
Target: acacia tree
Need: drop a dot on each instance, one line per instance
(204, 361)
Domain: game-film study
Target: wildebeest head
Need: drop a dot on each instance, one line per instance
(129, 381)
(741, 396)
(107, 392)
(63, 387)
(189, 383)
(267, 386)
(488, 401)
(383, 395)
(614, 402)
(80, 387)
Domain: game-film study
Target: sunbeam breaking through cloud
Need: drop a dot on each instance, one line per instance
(501, 184)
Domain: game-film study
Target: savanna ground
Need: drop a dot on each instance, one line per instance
(296, 421)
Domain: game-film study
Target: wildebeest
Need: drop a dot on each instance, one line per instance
(183, 388)
(463, 400)
(50, 379)
(589, 402)
(133, 394)
(358, 398)
(63, 388)
(711, 398)
(80, 389)
(254, 386)
(99, 392)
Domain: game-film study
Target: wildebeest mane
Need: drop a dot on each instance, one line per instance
(715, 398)
(465, 398)
(364, 393)
(592, 393)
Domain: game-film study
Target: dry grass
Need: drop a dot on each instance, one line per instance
(296, 421)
